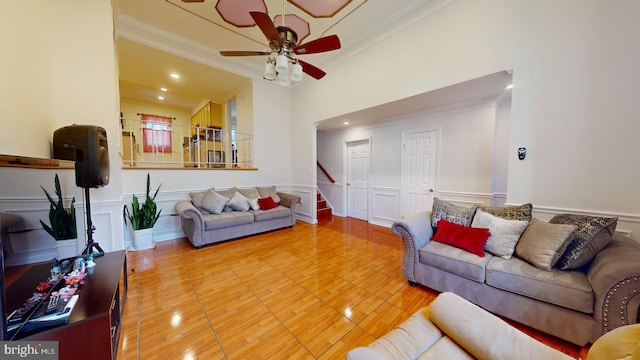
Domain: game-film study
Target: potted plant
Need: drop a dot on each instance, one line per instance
(142, 218)
(63, 223)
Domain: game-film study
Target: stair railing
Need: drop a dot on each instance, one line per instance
(325, 172)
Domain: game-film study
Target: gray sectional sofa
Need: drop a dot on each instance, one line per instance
(577, 305)
(203, 227)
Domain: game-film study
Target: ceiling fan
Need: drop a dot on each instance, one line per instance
(283, 43)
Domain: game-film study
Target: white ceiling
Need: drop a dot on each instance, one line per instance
(155, 38)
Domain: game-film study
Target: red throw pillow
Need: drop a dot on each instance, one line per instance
(267, 203)
(467, 238)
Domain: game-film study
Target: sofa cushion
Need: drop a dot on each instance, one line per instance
(226, 192)
(239, 202)
(517, 212)
(447, 349)
(454, 260)
(269, 191)
(250, 193)
(409, 339)
(275, 213)
(543, 243)
(592, 234)
(504, 233)
(448, 211)
(214, 202)
(227, 219)
(471, 239)
(267, 203)
(484, 335)
(570, 289)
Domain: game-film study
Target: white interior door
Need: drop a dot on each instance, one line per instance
(358, 179)
(419, 152)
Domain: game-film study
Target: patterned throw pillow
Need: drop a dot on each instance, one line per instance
(592, 234)
(453, 213)
(518, 212)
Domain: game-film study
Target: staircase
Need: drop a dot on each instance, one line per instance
(323, 211)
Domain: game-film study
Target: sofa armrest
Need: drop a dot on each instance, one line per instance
(187, 210)
(289, 200)
(615, 278)
(416, 231)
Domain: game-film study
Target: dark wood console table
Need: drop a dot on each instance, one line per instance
(93, 331)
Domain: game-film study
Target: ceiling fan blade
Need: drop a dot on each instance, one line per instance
(311, 70)
(268, 29)
(244, 53)
(327, 43)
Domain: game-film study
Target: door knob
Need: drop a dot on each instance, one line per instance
(348, 184)
(430, 189)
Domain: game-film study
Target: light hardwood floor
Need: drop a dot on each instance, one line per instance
(309, 292)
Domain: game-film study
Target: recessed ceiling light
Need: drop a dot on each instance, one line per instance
(175, 76)
(346, 123)
(164, 89)
(509, 87)
(160, 97)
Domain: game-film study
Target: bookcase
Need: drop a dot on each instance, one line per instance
(93, 330)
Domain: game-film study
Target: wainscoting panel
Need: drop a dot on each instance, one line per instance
(306, 210)
(385, 205)
(466, 198)
(31, 243)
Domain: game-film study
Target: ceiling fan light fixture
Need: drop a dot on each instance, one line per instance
(283, 79)
(269, 71)
(282, 64)
(296, 72)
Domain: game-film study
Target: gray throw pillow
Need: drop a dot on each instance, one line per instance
(239, 202)
(196, 200)
(543, 243)
(592, 235)
(453, 213)
(516, 212)
(269, 191)
(214, 202)
(504, 233)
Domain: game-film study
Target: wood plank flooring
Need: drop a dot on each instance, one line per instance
(309, 292)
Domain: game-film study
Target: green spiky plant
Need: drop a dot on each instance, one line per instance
(63, 221)
(143, 216)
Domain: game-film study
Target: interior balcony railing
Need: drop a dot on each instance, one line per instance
(161, 145)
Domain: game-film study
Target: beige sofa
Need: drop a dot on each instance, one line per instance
(575, 305)
(203, 227)
(453, 328)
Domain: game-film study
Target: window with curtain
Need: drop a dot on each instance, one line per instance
(156, 133)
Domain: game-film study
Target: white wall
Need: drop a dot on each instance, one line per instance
(466, 138)
(60, 68)
(573, 106)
